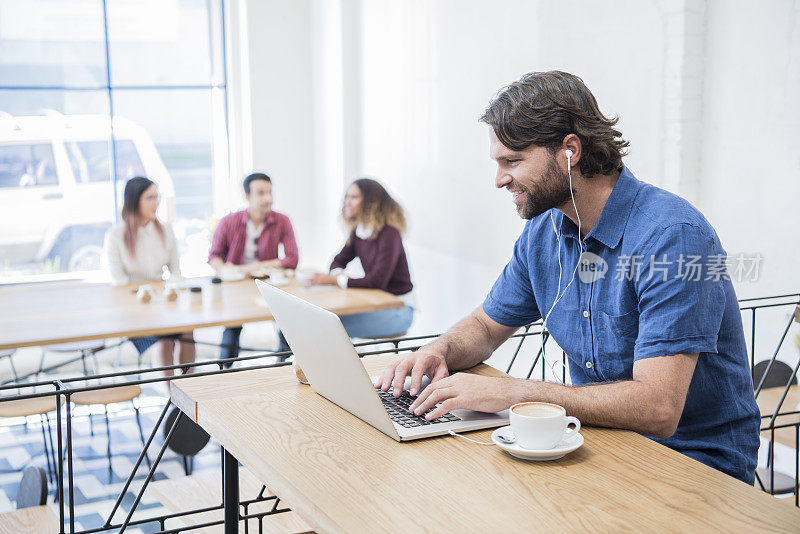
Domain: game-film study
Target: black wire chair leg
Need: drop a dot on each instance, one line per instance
(760, 483)
(108, 446)
(13, 368)
(86, 373)
(150, 473)
(41, 365)
(141, 433)
(83, 362)
(96, 362)
(539, 354)
(52, 445)
(516, 352)
(138, 463)
(50, 475)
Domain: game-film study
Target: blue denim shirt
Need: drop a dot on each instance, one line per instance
(652, 282)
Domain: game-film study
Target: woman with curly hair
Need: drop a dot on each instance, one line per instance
(375, 224)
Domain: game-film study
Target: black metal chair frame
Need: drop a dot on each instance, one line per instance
(753, 305)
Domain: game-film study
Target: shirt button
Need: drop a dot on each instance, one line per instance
(585, 313)
(588, 365)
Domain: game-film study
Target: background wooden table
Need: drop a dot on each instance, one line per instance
(342, 475)
(43, 314)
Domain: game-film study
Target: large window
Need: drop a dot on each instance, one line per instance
(92, 93)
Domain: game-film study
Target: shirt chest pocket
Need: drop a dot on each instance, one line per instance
(615, 337)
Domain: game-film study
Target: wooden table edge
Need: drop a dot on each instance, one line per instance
(177, 329)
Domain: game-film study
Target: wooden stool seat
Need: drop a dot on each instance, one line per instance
(107, 395)
(34, 520)
(25, 407)
(205, 490)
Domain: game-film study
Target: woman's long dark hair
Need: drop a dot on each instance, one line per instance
(134, 189)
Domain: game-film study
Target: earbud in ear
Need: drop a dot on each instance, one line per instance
(568, 152)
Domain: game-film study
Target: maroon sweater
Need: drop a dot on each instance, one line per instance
(383, 259)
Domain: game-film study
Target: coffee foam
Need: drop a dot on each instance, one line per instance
(535, 409)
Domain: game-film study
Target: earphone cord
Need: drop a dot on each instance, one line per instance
(559, 293)
(468, 439)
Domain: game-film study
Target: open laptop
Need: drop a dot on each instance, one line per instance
(324, 351)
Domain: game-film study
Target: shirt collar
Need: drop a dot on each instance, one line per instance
(614, 218)
(271, 219)
(363, 232)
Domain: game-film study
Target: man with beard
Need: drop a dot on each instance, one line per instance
(629, 279)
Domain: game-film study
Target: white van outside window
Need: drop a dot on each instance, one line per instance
(56, 192)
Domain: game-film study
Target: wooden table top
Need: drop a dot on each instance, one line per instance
(42, 314)
(341, 475)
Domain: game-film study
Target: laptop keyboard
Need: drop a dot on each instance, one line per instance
(398, 411)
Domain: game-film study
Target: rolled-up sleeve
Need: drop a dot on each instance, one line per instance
(681, 293)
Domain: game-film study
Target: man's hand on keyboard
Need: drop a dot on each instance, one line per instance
(423, 362)
(468, 391)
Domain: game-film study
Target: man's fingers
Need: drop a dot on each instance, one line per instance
(416, 378)
(386, 377)
(439, 373)
(424, 394)
(447, 406)
(437, 395)
(400, 374)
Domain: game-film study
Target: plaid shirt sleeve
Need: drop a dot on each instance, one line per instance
(290, 251)
(220, 243)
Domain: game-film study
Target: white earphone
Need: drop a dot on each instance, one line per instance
(559, 293)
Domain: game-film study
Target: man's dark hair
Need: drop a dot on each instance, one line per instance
(542, 108)
(254, 176)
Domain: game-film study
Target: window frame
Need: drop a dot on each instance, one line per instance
(218, 13)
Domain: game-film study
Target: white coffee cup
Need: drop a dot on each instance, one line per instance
(304, 276)
(541, 425)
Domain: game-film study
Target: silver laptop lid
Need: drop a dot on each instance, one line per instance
(323, 349)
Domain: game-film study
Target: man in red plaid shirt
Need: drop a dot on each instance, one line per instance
(248, 240)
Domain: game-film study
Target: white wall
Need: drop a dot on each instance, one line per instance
(751, 136)
(428, 71)
(279, 108)
(706, 93)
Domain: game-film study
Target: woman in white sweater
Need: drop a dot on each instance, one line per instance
(137, 250)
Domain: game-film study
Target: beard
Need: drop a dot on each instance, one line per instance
(550, 191)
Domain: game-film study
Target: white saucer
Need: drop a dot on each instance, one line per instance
(559, 451)
(231, 276)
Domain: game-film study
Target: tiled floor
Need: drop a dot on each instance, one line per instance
(95, 490)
